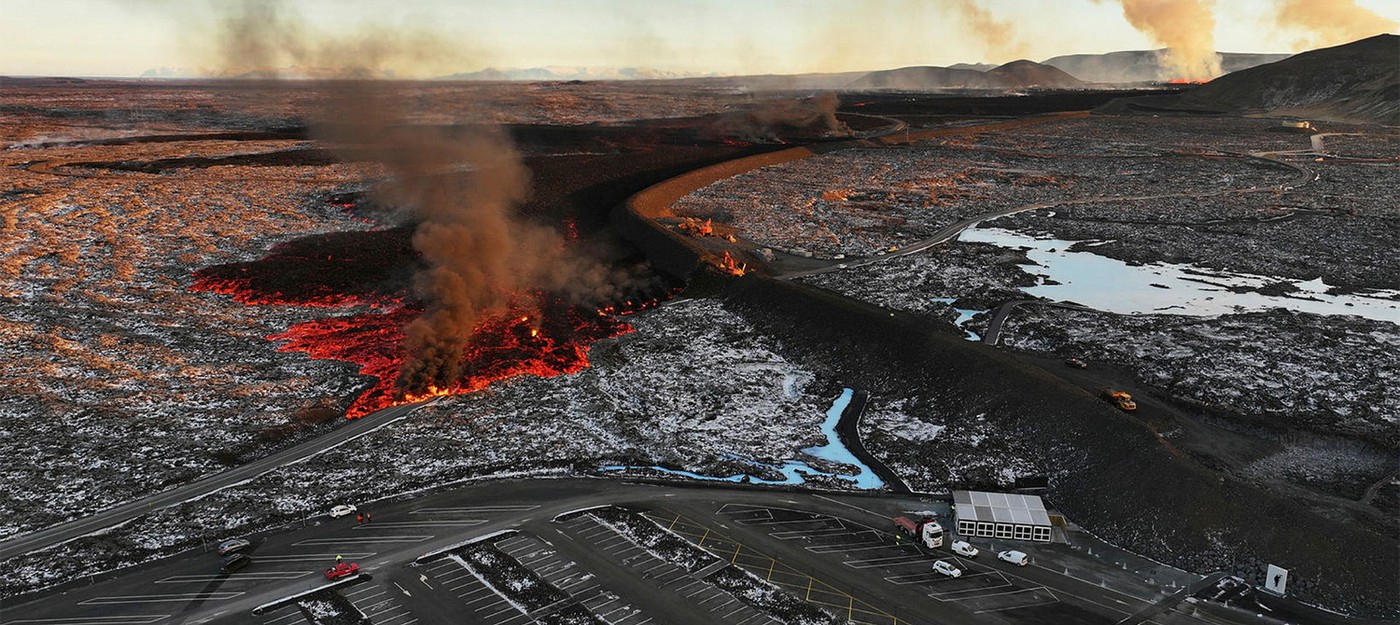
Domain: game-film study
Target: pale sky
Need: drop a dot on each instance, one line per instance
(127, 37)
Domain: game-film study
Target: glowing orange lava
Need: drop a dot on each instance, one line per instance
(549, 342)
(242, 292)
(728, 264)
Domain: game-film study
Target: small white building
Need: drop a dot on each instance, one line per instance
(1001, 515)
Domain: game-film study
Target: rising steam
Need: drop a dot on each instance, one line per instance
(768, 121)
(1185, 27)
(1330, 22)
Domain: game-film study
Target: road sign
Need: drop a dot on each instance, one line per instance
(1276, 580)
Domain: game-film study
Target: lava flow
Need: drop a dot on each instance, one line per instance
(549, 340)
(334, 269)
(373, 268)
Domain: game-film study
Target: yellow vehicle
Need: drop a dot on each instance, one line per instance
(1120, 399)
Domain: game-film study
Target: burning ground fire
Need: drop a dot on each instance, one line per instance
(545, 337)
(551, 340)
(733, 267)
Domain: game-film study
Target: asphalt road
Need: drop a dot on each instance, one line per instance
(876, 581)
(57, 534)
(999, 317)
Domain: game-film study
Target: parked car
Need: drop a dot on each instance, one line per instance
(343, 569)
(964, 549)
(1015, 557)
(234, 562)
(945, 567)
(1076, 363)
(341, 510)
(233, 544)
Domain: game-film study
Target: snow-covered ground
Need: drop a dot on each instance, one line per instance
(861, 201)
(1331, 374)
(115, 379)
(694, 386)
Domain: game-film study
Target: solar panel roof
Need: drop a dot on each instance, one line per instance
(972, 505)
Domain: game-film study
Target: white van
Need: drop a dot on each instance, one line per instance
(1015, 557)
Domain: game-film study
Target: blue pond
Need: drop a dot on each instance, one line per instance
(1112, 285)
(795, 471)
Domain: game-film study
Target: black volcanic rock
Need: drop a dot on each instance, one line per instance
(1359, 81)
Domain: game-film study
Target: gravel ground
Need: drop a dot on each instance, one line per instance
(102, 341)
(694, 387)
(1329, 374)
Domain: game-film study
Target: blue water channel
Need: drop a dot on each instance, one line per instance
(964, 316)
(1112, 285)
(794, 471)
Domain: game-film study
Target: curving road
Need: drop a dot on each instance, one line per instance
(57, 534)
(999, 317)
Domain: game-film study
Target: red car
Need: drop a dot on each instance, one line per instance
(344, 569)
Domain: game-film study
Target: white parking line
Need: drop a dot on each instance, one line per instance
(420, 524)
(448, 580)
(135, 619)
(978, 592)
(848, 548)
(1053, 599)
(914, 578)
(317, 557)
(404, 615)
(235, 577)
(173, 598)
(835, 531)
(1065, 574)
(772, 521)
(892, 560)
(477, 509)
(362, 540)
(294, 615)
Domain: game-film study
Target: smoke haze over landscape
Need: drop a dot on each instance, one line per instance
(662, 38)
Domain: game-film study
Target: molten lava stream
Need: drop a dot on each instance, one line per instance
(243, 292)
(552, 340)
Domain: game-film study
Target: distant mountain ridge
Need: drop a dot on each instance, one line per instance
(1020, 74)
(1357, 82)
(555, 72)
(1128, 66)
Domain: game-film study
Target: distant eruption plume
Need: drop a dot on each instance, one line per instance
(998, 36)
(1185, 27)
(1331, 22)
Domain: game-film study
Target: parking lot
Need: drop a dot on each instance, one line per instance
(838, 556)
(770, 542)
(802, 582)
(980, 588)
(569, 577)
(483, 604)
(666, 577)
